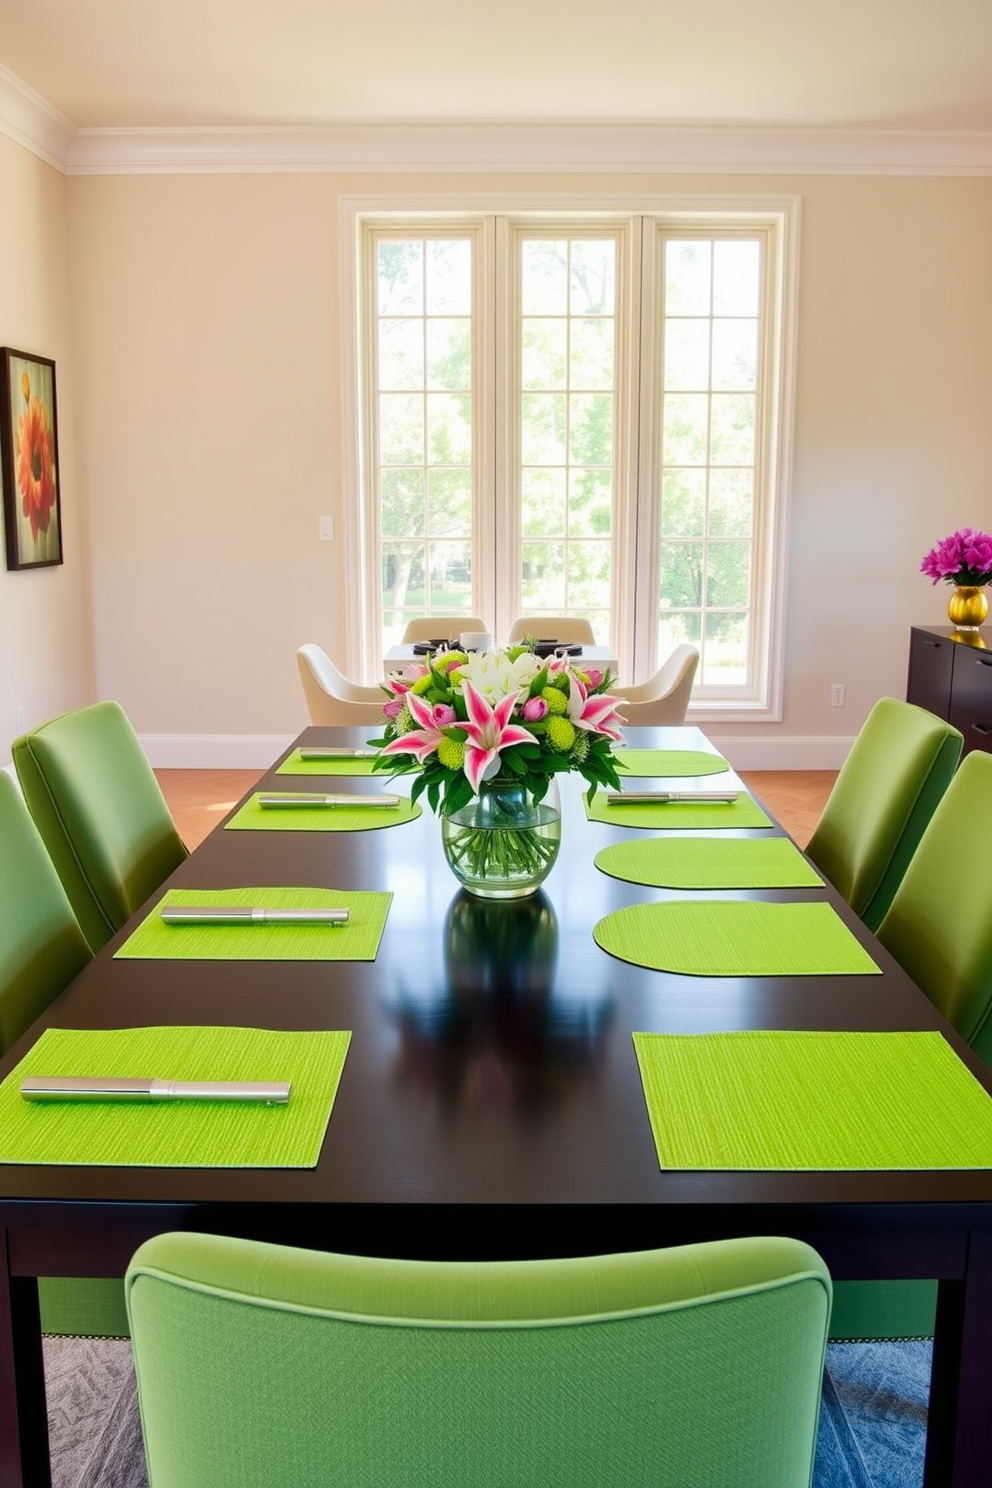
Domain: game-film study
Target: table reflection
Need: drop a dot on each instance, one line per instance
(499, 1031)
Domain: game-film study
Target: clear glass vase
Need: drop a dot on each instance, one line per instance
(503, 844)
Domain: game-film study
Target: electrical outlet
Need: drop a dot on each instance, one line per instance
(837, 695)
(19, 718)
(325, 528)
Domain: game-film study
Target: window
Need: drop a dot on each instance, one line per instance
(709, 357)
(579, 414)
(565, 417)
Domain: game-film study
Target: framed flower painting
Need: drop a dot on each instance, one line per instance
(29, 460)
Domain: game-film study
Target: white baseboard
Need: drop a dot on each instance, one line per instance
(801, 752)
(256, 751)
(214, 751)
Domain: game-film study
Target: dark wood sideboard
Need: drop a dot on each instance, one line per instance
(950, 673)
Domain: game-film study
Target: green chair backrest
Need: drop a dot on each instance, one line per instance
(41, 946)
(939, 927)
(258, 1364)
(41, 949)
(898, 768)
(100, 813)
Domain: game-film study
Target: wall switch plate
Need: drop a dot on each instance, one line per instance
(19, 718)
(837, 695)
(325, 529)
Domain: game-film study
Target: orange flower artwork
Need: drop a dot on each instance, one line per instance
(36, 466)
(29, 460)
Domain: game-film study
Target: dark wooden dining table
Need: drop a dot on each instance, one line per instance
(491, 1104)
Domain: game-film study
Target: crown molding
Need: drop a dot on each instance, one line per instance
(460, 148)
(29, 120)
(530, 148)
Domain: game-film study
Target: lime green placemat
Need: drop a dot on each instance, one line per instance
(744, 812)
(709, 863)
(180, 1134)
(294, 765)
(776, 1100)
(255, 818)
(669, 762)
(358, 940)
(736, 937)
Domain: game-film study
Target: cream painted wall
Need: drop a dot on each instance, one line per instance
(206, 308)
(207, 324)
(893, 436)
(45, 658)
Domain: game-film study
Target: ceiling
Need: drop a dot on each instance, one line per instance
(918, 65)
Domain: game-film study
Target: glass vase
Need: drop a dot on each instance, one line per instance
(503, 844)
(968, 606)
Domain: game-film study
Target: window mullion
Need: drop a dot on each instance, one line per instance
(505, 522)
(645, 401)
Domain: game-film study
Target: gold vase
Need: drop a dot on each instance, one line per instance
(968, 606)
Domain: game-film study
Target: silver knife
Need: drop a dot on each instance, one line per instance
(236, 914)
(332, 754)
(639, 798)
(316, 798)
(87, 1088)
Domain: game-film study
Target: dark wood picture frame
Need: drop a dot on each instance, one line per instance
(29, 460)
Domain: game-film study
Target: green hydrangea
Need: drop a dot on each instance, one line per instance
(451, 754)
(581, 746)
(561, 734)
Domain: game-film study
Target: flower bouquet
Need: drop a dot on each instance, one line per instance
(965, 560)
(486, 733)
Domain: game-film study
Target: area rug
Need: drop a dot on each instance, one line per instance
(872, 1418)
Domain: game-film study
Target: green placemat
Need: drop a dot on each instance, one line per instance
(736, 937)
(255, 818)
(358, 940)
(788, 1100)
(294, 765)
(183, 1134)
(669, 762)
(744, 812)
(709, 863)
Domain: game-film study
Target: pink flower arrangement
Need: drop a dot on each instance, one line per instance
(461, 721)
(963, 558)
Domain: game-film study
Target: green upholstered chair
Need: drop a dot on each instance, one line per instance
(939, 929)
(41, 949)
(100, 813)
(898, 768)
(41, 946)
(258, 1364)
(939, 925)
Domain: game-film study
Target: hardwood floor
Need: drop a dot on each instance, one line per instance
(794, 797)
(199, 798)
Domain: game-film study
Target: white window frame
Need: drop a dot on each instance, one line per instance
(499, 221)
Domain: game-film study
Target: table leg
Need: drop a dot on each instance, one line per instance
(959, 1448)
(24, 1461)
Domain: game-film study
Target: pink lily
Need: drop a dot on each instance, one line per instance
(399, 683)
(421, 741)
(489, 730)
(598, 714)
